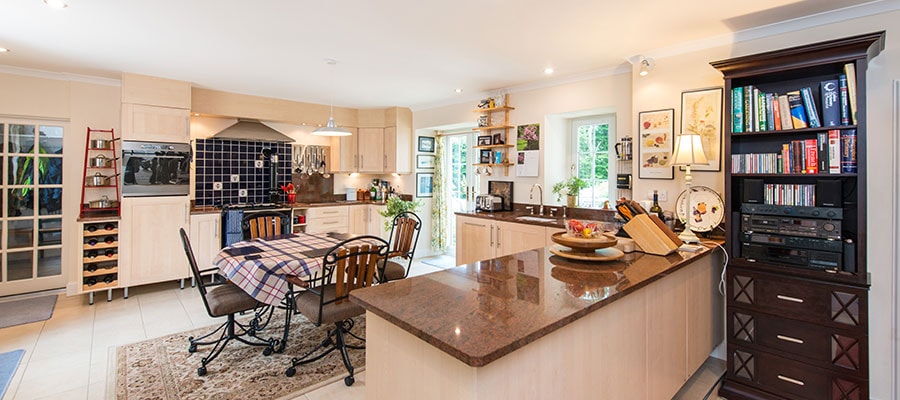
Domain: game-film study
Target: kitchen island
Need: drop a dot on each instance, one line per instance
(532, 325)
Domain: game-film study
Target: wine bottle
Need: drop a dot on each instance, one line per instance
(92, 242)
(109, 252)
(91, 267)
(92, 228)
(109, 226)
(92, 254)
(655, 208)
(109, 240)
(108, 279)
(91, 281)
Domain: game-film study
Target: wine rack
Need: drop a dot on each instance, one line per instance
(100, 257)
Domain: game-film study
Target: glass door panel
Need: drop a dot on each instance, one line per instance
(459, 178)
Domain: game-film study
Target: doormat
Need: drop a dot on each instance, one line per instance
(26, 311)
(9, 362)
(442, 261)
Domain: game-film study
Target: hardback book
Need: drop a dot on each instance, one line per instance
(811, 157)
(786, 161)
(848, 151)
(798, 112)
(785, 108)
(811, 110)
(770, 112)
(776, 112)
(845, 100)
(822, 151)
(748, 109)
(760, 111)
(834, 151)
(737, 108)
(831, 103)
(850, 71)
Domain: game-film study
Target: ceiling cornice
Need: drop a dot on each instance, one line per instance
(60, 76)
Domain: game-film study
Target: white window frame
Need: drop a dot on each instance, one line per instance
(608, 119)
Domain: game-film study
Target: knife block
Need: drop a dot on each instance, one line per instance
(652, 235)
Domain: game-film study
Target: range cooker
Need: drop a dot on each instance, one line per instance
(233, 214)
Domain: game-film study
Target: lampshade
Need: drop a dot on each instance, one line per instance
(331, 129)
(689, 150)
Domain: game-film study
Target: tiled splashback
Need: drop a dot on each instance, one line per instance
(216, 160)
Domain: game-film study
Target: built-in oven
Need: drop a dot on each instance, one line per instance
(155, 168)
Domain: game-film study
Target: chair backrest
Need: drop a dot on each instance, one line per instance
(404, 235)
(353, 263)
(195, 270)
(265, 224)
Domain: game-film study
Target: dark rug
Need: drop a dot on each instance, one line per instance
(163, 369)
(9, 362)
(26, 311)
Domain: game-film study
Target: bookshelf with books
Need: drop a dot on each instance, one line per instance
(795, 217)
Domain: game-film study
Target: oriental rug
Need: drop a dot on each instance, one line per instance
(162, 368)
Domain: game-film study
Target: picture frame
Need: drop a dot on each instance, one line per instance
(655, 143)
(497, 138)
(484, 140)
(701, 113)
(426, 144)
(424, 184)
(485, 157)
(424, 161)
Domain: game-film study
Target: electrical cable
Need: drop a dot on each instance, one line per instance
(724, 266)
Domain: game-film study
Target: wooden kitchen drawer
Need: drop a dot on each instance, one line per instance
(829, 304)
(841, 350)
(788, 378)
(330, 224)
(327, 212)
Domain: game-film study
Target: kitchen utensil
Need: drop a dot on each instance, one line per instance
(103, 202)
(325, 174)
(99, 179)
(102, 144)
(100, 161)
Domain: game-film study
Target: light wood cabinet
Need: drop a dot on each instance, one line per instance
(513, 238)
(383, 146)
(151, 249)
(366, 220)
(206, 238)
(371, 149)
(155, 124)
(480, 239)
(344, 152)
(328, 219)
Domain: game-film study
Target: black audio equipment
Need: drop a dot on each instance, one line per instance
(753, 191)
(829, 193)
(794, 211)
(821, 260)
(849, 256)
(836, 246)
(817, 228)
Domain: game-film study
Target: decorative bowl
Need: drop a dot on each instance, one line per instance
(582, 244)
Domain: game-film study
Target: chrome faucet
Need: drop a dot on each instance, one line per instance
(531, 196)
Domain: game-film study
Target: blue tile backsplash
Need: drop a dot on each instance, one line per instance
(215, 160)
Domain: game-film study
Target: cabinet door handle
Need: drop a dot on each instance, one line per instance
(791, 380)
(498, 237)
(218, 233)
(789, 298)
(492, 236)
(361, 160)
(789, 339)
(385, 162)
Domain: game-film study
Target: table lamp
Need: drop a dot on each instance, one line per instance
(688, 151)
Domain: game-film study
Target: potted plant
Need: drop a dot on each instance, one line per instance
(396, 206)
(570, 188)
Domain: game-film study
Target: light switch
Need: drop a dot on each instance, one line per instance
(217, 185)
(235, 178)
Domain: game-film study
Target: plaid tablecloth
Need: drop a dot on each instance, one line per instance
(259, 266)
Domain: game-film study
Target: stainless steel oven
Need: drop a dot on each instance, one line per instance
(155, 169)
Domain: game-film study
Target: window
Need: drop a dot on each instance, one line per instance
(591, 143)
(457, 160)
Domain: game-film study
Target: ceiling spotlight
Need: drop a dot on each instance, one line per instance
(458, 90)
(647, 65)
(4, 50)
(58, 4)
(548, 71)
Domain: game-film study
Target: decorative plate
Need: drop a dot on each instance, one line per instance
(707, 208)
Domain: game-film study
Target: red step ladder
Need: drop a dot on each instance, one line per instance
(100, 164)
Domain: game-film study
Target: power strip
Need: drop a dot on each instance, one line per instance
(693, 248)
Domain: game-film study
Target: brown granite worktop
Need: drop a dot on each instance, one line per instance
(482, 311)
(557, 220)
(214, 210)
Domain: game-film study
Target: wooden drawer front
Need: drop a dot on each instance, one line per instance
(333, 224)
(842, 351)
(817, 302)
(328, 212)
(792, 379)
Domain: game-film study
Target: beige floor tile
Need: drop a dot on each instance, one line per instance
(77, 393)
(97, 391)
(54, 377)
(20, 337)
(338, 391)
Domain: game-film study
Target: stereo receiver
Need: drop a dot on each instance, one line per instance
(817, 228)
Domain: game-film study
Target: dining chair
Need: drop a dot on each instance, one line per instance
(347, 266)
(404, 236)
(265, 224)
(223, 299)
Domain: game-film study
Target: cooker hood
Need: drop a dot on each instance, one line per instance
(251, 129)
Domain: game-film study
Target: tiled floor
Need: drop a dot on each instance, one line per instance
(66, 357)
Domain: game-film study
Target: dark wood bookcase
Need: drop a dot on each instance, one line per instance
(797, 332)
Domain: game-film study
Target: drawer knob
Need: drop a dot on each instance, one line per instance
(791, 380)
(789, 298)
(789, 339)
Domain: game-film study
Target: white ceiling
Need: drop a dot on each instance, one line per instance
(411, 53)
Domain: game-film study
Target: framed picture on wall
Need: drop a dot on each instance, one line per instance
(424, 184)
(426, 144)
(701, 113)
(425, 161)
(655, 141)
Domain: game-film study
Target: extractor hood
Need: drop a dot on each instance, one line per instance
(251, 129)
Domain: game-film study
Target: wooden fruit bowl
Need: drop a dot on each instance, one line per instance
(584, 245)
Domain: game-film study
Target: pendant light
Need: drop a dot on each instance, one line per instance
(331, 128)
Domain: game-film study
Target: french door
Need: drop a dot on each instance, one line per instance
(460, 181)
(31, 221)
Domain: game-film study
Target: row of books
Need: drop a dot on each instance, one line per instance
(790, 194)
(832, 152)
(757, 111)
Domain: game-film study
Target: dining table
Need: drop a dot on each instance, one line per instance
(261, 267)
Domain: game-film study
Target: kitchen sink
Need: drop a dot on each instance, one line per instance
(536, 219)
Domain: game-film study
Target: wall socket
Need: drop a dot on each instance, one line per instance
(217, 185)
(258, 163)
(242, 192)
(235, 178)
(662, 195)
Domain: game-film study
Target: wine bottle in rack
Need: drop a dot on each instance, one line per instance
(109, 226)
(92, 254)
(92, 242)
(109, 252)
(108, 279)
(92, 228)
(91, 267)
(91, 281)
(109, 240)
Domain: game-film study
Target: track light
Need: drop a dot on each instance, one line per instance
(647, 65)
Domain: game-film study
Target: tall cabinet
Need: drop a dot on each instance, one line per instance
(797, 282)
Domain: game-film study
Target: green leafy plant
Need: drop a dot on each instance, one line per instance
(569, 187)
(396, 206)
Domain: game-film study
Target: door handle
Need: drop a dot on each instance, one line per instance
(498, 237)
(789, 298)
(492, 236)
(791, 380)
(789, 339)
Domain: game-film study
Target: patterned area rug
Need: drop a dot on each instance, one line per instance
(163, 369)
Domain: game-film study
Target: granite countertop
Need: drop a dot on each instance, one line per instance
(482, 311)
(215, 210)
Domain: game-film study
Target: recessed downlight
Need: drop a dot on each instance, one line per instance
(57, 4)
(548, 71)
(458, 90)
(4, 50)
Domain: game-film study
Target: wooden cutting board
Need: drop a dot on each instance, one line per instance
(606, 254)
